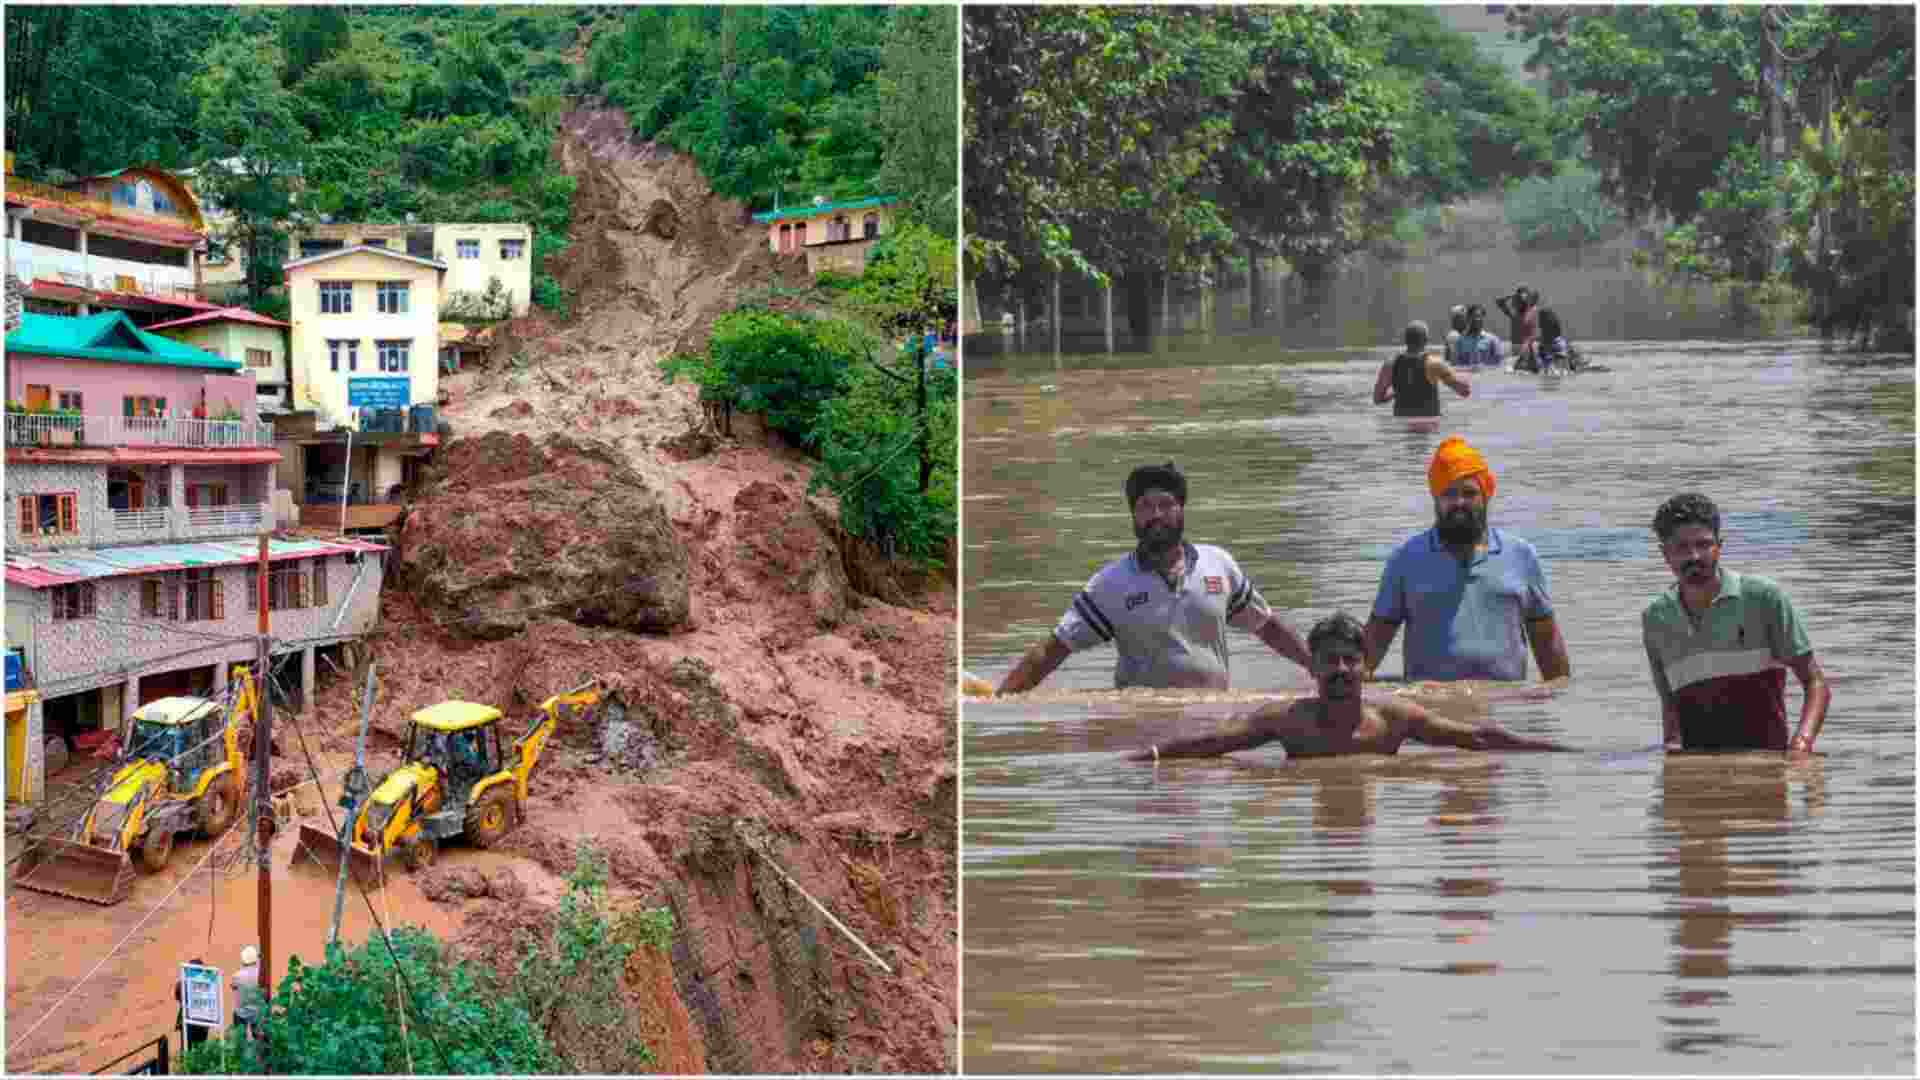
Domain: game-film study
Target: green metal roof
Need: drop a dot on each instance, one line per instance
(109, 335)
(810, 210)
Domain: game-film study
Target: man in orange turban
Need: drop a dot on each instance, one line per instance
(1474, 598)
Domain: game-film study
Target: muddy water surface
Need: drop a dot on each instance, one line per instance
(1615, 910)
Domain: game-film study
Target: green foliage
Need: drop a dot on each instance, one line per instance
(570, 982)
(918, 114)
(309, 36)
(909, 281)
(468, 307)
(784, 367)
(1562, 211)
(343, 1016)
(867, 439)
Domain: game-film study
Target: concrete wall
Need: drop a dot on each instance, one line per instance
(103, 384)
(316, 386)
(19, 615)
(232, 340)
(82, 654)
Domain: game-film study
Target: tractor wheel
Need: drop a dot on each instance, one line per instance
(157, 849)
(419, 853)
(490, 818)
(219, 806)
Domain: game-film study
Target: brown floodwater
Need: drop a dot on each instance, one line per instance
(1616, 910)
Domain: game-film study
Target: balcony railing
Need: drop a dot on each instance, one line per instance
(245, 517)
(33, 262)
(54, 430)
(140, 522)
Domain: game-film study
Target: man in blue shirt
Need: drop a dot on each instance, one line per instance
(1473, 598)
(1477, 347)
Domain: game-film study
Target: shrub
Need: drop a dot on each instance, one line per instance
(869, 457)
(784, 367)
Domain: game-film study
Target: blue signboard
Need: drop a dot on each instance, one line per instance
(380, 393)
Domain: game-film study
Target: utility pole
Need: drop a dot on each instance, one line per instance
(262, 796)
(354, 790)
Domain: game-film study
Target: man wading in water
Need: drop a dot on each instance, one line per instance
(1472, 597)
(1336, 721)
(1522, 311)
(1719, 644)
(1166, 606)
(1412, 379)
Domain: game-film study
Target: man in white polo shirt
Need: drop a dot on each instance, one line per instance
(1165, 606)
(1719, 645)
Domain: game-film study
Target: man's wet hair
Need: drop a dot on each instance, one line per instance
(1458, 318)
(1688, 508)
(1476, 311)
(1549, 323)
(1525, 293)
(1167, 477)
(1416, 336)
(1337, 628)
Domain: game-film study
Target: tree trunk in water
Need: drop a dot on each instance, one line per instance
(1139, 307)
(1256, 295)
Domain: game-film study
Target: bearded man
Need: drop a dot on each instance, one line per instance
(1472, 597)
(1165, 606)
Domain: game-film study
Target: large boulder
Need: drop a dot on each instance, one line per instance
(512, 530)
(789, 558)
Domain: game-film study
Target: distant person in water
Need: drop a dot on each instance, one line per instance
(1720, 645)
(1165, 606)
(1522, 311)
(1473, 597)
(1336, 721)
(1457, 325)
(1477, 347)
(1411, 380)
(1552, 353)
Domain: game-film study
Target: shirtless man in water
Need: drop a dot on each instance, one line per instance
(1336, 721)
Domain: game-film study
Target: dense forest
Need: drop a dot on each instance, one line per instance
(1125, 144)
(447, 113)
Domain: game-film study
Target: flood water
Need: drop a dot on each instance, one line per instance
(1617, 910)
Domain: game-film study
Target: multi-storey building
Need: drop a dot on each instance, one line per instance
(475, 255)
(128, 241)
(238, 334)
(137, 483)
(366, 379)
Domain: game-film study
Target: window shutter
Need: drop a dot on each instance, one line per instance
(193, 496)
(253, 588)
(219, 594)
(173, 597)
(29, 511)
(296, 590)
(69, 514)
(319, 583)
(149, 597)
(86, 597)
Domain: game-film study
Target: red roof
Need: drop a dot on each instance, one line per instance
(178, 235)
(226, 314)
(40, 570)
(49, 289)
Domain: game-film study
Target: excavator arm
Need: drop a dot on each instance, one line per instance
(535, 740)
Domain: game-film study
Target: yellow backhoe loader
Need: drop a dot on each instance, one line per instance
(179, 770)
(457, 780)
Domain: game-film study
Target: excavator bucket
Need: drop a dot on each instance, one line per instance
(81, 871)
(324, 847)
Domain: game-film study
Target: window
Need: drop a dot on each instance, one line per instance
(336, 298)
(213, 493)
(800, 235)
(260, 358)
(513, 249)
(161, 204)
(342, 347)
(71, 399)
(137, 487)
(786, 238)
(391, 297)
(57, 514)
(393, 354)
(204, 599)
(142, 405)
(375, 241)
(73, 601)
(286, 586)
(320, 247)
(157, 599)
(123, 195)
(466, 249)
(319, 583)
(870, 226)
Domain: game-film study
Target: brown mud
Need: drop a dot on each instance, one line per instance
(800, 709)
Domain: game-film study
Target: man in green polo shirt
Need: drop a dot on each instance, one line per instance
(1720, 643)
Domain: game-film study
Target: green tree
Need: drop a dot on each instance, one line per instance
(918, 114)
(310, 36)
(255, 149)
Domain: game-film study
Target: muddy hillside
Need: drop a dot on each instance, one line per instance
(573, 530)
